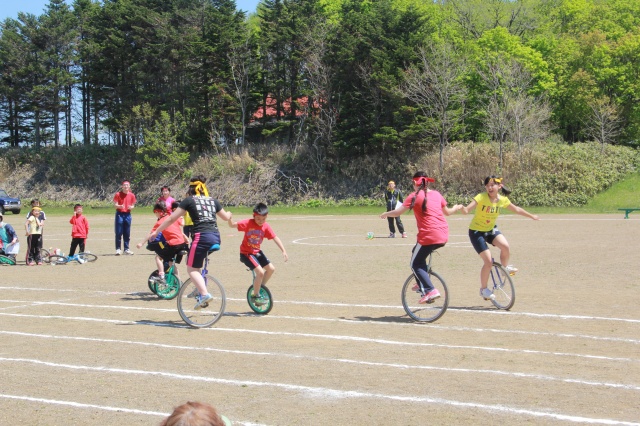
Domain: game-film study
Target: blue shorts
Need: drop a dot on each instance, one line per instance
(481, 240)
(200, 247)
(253, 260)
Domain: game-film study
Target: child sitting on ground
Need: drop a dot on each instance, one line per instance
(255, 230)
(168, 244)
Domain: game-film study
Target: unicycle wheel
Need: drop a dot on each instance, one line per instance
(261, 304)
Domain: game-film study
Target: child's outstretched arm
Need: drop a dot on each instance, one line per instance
(448, 211)
(394, 213)
(143, 241)
(146, 239)
(281, 247)
(469, 207)
(522, 212)
(231, 223)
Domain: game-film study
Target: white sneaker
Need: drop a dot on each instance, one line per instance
(129, 252)
(118, 252)
(486, 294)
(511, 269)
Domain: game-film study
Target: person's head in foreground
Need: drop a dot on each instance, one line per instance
(195, 414)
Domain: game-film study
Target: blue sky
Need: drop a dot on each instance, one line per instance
(10, 8)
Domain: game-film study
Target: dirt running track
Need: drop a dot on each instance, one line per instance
(90, 345)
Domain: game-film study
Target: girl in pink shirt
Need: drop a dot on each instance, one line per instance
(429, 208)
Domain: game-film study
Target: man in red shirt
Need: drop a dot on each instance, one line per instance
(124, 201)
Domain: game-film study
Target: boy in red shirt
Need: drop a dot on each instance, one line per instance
(79, 230)
(168, 243)
(255, 231)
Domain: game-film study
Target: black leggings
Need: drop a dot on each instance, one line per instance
(75, 242)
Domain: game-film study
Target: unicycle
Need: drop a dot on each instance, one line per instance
(261, 304)
(170, 287)
(7, 260)
(504, 291)
(412, 293)
(210, 312)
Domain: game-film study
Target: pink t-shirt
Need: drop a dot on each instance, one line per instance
(432, 226)
(168, 201)
(253, 235)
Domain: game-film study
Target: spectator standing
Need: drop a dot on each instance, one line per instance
(79, 230)
(124, 201)
(393, 197)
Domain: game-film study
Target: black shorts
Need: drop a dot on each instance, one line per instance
(167, 252)
(481, 240)
(253, 260)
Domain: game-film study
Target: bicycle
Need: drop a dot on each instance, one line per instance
(170, 288)
(261, 304)
(504, 291)
(209, 312)
(56, 259)
(44, 255)
(412, 292)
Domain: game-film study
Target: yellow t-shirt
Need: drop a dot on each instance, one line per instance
(187, 220)
(34, 227)
(487, 212)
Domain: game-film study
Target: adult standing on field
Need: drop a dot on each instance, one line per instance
(124, 202)
(393, 196)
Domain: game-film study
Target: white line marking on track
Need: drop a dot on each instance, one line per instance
(99, 407)
(334, 337)
(349, 321)
(314, 391)
(347, 305)
(325, 359)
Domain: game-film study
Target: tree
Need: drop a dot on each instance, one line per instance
(243, 65)
(14, 82)
(320, 80)
(603, 123)
(436, 85)
(510, 111)
(60, 49)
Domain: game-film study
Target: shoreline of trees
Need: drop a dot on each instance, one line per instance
(375, 76)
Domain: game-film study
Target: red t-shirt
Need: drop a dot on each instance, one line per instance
(79, 226)
(173, 233)
(432, 226)
(127, 200)
(253, 235)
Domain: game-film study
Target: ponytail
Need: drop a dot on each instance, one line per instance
(421, 179)
(197, 186)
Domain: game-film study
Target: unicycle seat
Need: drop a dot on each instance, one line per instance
(213, 248)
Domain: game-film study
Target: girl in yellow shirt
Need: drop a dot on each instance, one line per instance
(483, 229)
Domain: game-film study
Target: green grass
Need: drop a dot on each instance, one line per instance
(625, 193)
(622, 194)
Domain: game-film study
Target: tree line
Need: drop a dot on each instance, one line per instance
(334, 77)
